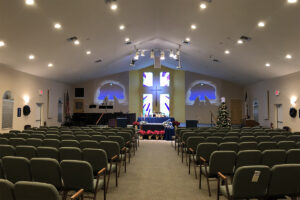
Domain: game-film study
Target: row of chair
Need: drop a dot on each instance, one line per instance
(24, 190)
(228, 162)
(261, 182)
(68, 175)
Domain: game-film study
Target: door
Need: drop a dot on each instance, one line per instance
(236, 111)
(39, 114)
(278, 116)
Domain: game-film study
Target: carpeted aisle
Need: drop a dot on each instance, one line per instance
(156, 173)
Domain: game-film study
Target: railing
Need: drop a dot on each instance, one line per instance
(99, 119)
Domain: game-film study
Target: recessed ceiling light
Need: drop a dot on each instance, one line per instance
(2, 43)
(188, 39)
(288, 56)
(88, 52)
(127, 39)
(193, 27)
(261, 24)
(240, 41)
(31, 57)
(50, 65)
(268, 64)
(122, 27)
(113, 6)
(227, 52)
(29, 2)
(57, 25)
(203, 6)
(292, 1)
(76, 42)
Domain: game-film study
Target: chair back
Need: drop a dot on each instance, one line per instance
(16, 168)
(25, 190)
(111, 148)
(285, 180)
(6, 190)
(96, 157)
(286, 145)
(248, 146)
(229, 146)
(293, 156)
(77, 175)
(205, 150)
(7, 150)
(46, 170)
(250, 182)
(267, 146)
(26, 151)
(248, 157)
(222, 161)
(55, 143)
(48, 152)
(70, 153)
(273, 157)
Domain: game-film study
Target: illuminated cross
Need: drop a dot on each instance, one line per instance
(156, 95)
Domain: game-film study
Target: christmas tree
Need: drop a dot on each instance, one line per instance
(224, 120)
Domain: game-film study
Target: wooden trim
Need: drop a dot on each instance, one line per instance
(77, 194)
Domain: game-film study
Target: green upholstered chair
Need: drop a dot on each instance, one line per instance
(278, 138)
(25, 190)
(99, 138)
(83, 137)
(229, 146)
(128, 143)
(16, 168)
(69, 143)
(38, 136)
(46, 170)
(48, 152)
(185, 137)
(52, 136)
(34, 142)
(220, 161)
(4, 141)
(285, 181)
(273, 157)
(55, 143)
(192, 143)
(89, 144)
(17, 141)
(7, 150)
(6, 190)
(112, 150)
(23, 135)
(203, 150)
(214, 139)
(70, 153)
(26, 151)
(247, 139)
(248, 182)
(108, 133)
(286, 145)
(233, 134)
(248, 146)
(263, 138)
(123, 151)
(231, 139)
(10, 135)
(267, 146)
(79, 175)
(293, 156)
(67, 137)
(248, 157)
(295, 138)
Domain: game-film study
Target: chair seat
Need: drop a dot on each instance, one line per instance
(223, 190)
(113, 167)
(203, 170)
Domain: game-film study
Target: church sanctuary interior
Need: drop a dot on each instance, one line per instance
(149, 99)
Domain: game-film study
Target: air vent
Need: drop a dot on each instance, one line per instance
(245, 38)
(71, 39)
(98, 61)
(216, 60)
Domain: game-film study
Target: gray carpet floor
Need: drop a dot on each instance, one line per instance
(156, 173)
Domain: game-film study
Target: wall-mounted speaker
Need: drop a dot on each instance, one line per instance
(79, 92)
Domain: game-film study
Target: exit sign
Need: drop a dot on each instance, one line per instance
(277, 92)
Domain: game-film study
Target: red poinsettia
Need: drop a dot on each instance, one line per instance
(176, 123)
(149, 132)
(136, 123)
(162, 132)
(156, 132)
(142, 132)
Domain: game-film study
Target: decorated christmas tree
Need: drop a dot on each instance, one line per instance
(224, 120)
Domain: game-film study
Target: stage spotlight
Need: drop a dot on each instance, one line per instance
(172, 54)
(132, 63)
(152, 56)
(162, 55)
(136, 57)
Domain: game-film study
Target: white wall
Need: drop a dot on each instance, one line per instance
(288, 87)
(21, 84)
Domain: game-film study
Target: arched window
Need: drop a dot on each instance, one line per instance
(108, 91)
(7, 110)
(203, 91)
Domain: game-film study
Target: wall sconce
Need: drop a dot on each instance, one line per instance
(26, 99)
(293, 100)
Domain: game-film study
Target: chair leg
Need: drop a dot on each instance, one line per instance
(104, 187)
(189, 164)
(182, 153)
(65, 193)
(208, 186)
(108, 177)
(218, 189)
(125, 162)
(116, 174)
(120, 163)
(186, 159)
(200, 176)
(195, 169)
